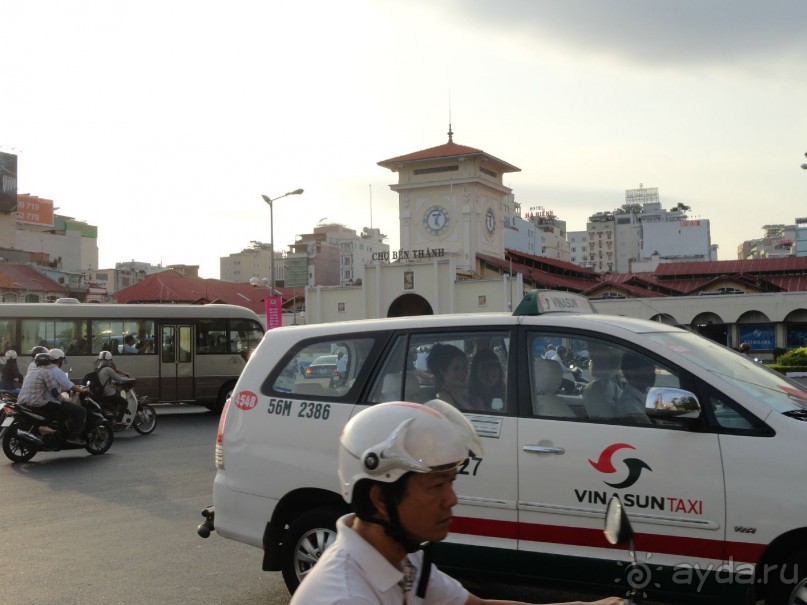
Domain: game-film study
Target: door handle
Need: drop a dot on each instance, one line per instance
(543, 449)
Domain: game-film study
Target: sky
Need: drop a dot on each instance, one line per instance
(163, 121)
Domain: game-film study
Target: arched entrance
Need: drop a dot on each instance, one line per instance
(711, 326)
(409, 304)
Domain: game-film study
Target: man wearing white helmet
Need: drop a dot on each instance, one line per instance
(58, 359)
(78, 414)
(109, 376)
(397, 465)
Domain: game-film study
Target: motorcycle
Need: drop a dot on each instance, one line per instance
(137, 414)
(5, 397)
(618, 531)
(28, 432)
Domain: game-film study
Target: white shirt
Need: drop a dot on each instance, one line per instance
(353, 572)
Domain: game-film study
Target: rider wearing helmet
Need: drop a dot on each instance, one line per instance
(34, 352)
(57, 360)
(110, 377)
(397, 465)
(41, 389)
(11, 377)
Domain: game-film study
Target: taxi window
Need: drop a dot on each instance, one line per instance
(589, 379)
(466, 369)
(325, 368)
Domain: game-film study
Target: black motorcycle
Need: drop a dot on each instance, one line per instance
(27, 431)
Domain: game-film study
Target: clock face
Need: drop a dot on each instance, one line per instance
(435, 220)
(490, 220)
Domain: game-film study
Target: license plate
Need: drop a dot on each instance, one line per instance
(7, 421)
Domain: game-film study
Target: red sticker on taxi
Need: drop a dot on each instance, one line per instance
(245, 400)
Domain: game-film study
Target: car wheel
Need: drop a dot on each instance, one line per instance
(787, 582)
(305, 540)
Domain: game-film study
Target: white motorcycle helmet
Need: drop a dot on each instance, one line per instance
(57, 354)
(105, 356)
(11, 354)
(388, 440)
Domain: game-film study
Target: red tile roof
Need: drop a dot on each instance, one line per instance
(542, 272)
(447, 150)
(23, 277)
(172, 287)
(791, 264)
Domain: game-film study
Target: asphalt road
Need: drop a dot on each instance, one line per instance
(120, 528)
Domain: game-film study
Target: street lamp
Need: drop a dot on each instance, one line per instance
(269, 201)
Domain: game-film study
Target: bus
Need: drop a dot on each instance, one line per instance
(177, 353)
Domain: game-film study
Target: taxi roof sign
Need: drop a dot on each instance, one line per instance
(538, 302)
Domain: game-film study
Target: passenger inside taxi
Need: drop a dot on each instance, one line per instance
(449, 366)
(601, 394)
(486, 383)
(640, 375)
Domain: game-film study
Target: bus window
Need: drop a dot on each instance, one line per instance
(8, 332)
(123, 337)
(68, 335)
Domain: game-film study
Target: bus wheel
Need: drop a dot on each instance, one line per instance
(224, 394)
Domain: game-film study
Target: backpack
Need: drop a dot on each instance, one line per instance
(93, 382)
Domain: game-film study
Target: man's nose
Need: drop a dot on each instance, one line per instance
(451, 497)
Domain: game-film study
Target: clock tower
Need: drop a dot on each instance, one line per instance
(451, 199)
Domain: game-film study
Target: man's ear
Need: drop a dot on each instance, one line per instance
(377, 499)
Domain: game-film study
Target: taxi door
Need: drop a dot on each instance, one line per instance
(669, 477)
(484, 525)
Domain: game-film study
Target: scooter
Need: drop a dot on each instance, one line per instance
(618, 530)
(137, 412)
(28, 432)
(5, 397)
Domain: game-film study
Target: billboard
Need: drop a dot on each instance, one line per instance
(8, 183)
(34, 210)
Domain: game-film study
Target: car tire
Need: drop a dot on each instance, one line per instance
(305, 540)
(787, 584)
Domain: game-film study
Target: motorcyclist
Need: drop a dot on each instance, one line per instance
(34, 352)
(11, 377)
(41, 390)
(110, 377)
(58, 359)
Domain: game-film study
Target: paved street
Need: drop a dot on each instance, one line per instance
(119, 529)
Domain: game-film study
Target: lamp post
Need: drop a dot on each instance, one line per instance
(269, 201)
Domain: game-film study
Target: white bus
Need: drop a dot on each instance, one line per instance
(177, 353)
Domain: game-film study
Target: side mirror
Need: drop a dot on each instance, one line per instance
(617, 528)
(667, 401)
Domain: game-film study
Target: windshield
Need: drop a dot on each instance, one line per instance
(759, 382)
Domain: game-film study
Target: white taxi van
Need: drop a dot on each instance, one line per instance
(705, 447)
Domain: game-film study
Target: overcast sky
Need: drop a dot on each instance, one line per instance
(162, 122)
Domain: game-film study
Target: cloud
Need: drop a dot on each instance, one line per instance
(652, 31)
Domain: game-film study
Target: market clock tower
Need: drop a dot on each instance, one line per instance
(450, 199)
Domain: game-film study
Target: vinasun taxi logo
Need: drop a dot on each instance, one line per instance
(625, 474)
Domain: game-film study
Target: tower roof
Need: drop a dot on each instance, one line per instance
(447, 150)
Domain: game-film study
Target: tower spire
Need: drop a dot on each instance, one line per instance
(450, 132)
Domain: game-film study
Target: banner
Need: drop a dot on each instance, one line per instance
(8, 183)
(274, 311)
(34, 210)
